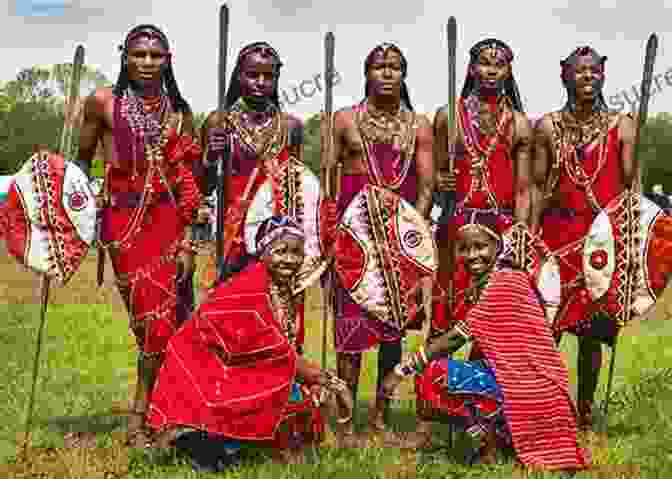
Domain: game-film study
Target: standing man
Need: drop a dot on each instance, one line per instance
(383, 142)
(149, 198)
(491, 171)
(259, 133)
(584, 160)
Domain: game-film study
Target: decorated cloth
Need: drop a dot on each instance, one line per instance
(48, 219)
(509, 327)
(391, 166)
(464, 389)
(230, 365)
(503, 315)
(234, 368)
(256, 153)
(484, 172)
(151, 199)
(585, 179)
(282, 185)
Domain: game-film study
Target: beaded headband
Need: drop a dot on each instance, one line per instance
(261, 47)
(384, 47)
(144, 31)
(501, 50)
(274, 228)
(568, 65)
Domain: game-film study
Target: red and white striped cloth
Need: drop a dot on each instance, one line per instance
(509, 327)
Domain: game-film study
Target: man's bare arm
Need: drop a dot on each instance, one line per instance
(93, 127)
(425, 165)
(522, 174)
(626, 132)
(539, 167)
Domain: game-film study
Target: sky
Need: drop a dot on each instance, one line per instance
(37, 32)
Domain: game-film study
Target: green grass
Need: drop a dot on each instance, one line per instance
(87, 367)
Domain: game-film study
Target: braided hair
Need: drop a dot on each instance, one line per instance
(234, 91)
(382, 48)
(168, 81)
(567, 67)
(510, 87)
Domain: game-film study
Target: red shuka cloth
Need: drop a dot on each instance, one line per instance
(148, 262)
(564, 233)
(509, 328)
(247, 397)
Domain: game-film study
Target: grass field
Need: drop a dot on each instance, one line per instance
(87, 372)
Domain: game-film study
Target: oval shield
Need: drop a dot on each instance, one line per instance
(622, 254)
(50, 216)
(384, 248)
(293, 190)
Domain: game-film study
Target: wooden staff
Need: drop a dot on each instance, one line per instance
(645, 96)
(327, 191)
(65, 149)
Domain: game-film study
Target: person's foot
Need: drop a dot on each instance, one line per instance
(137, 435)
(289, 456)
(418, 439)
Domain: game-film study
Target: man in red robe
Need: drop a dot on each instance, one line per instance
(584, 160)
(149, 197)
(261, 137)
(493, 147)
(232, 370)
(381, 141)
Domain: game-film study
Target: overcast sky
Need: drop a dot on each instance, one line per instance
(540, 33)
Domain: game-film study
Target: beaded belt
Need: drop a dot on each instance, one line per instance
(132, 199)
(498, 211)
(566, 212)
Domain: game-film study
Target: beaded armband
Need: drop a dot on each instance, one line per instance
(413, 366)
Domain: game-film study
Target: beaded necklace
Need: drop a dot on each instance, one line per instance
(571, 136)
(480, 155)
(398, 129)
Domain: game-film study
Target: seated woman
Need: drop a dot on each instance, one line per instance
(514, 389)
(232, 370)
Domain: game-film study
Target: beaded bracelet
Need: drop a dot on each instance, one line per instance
(415, 364)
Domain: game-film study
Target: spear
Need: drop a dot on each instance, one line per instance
(224, 160)
(64, 149)
(645, 96)
(327, 291)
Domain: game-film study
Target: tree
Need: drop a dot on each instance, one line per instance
(30, 85)
(656, 151)
(27, 124)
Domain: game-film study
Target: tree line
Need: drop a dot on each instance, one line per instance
(34, 109)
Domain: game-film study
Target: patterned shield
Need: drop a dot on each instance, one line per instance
(622, 255)
(532, 254)
(292, 191)
(384, 248)
(50, 216)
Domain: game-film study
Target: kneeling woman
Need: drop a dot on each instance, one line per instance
(232, 371)
(514, 389)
